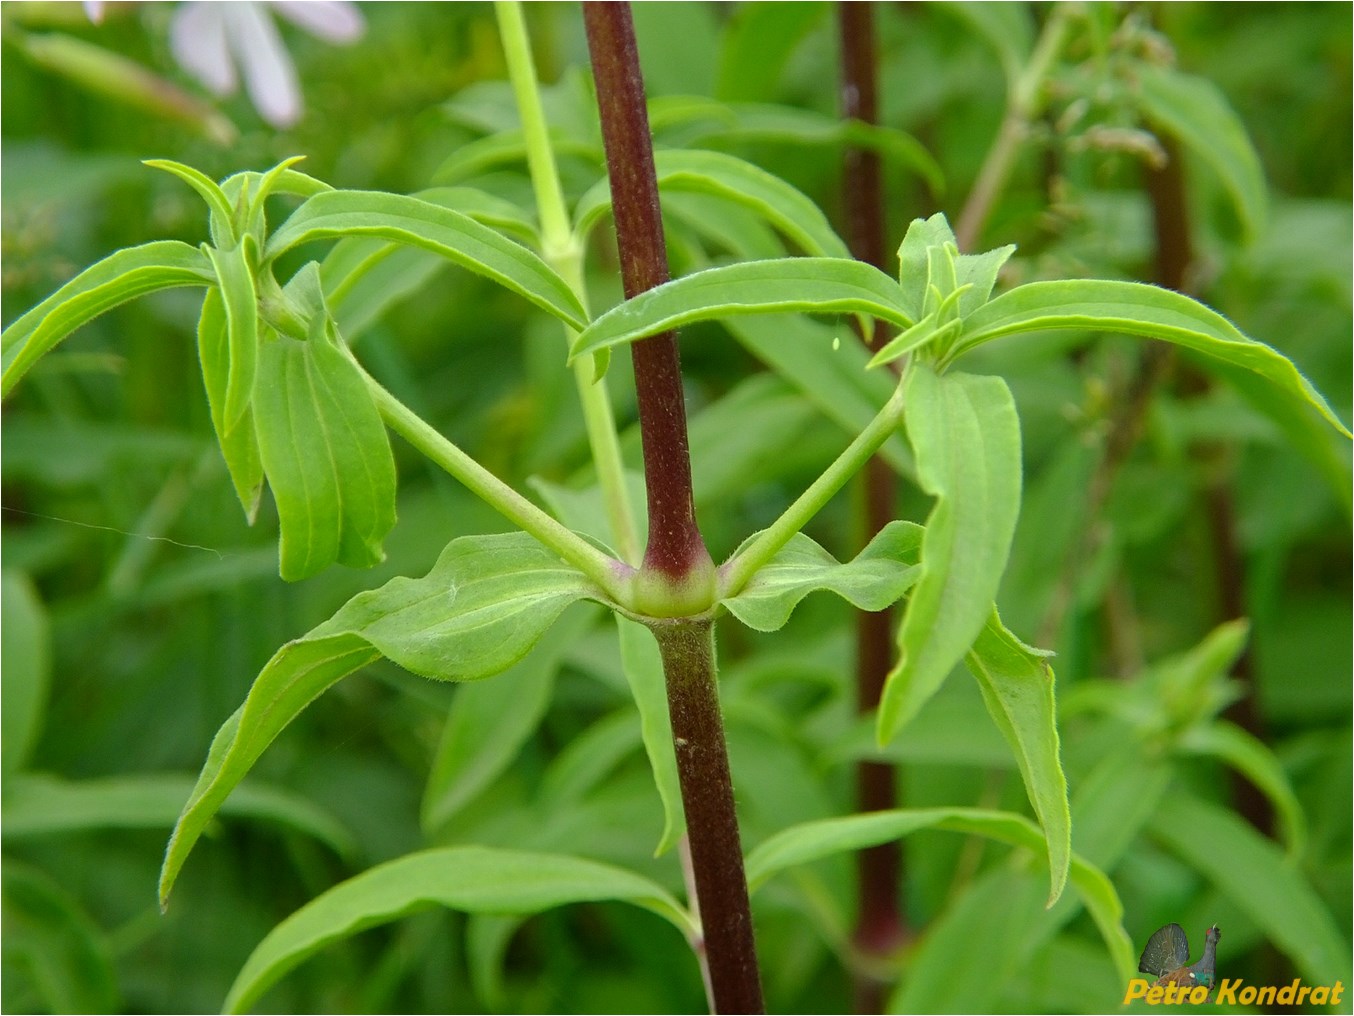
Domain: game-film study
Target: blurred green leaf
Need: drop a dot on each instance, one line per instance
(966, 437)
(878, 576)
(1017, 685)
(25, 669)
(53, 944)
(1253, 873)
(1195, 111)
(326, 454)
(1137, 309)
(643, 668)
(489, 723)
(122, 276)
(756, 44)
(457, 237)
(1007, 28)
(470, 879)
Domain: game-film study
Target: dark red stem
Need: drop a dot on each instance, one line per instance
(880, 925)
(675, 546)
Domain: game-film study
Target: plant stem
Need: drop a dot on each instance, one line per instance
(675, 560)
(880, 925)
(675, 550)
(562, 251)
(1023, 103)
(687, 646)
(739, 570)
(610, 575)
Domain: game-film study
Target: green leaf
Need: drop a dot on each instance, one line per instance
(25, 670)
(326, 454)
(239, 444)
(1137, 309)
(878, 576)
(476, 880)
(758, 40)
(1195, 112)
(509, 147)
(737, 181)
(55, 944)
(235, 278)
(459, 238)
(1017, 686)
(802, 285)
(1007, 28)
(914, 259)
(122, 276)
(222, 215)
(643, 668)
(482, 607)
(1253, 874)
(43, 805)
(812, 841)
(966, 438)
(1250, 757)
(490, 721)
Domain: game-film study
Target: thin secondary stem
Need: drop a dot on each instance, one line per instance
(738, 571)
(561, 249)
(610, 575)
(1022, 105)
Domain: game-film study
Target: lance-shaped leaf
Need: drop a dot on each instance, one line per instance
(1138, 309)
(880, 574)
(1017, 686)
(459, 238)
(735, 180)
(122, 276)
(326, 454)
(239, 445)
(476, 880)
(235, 279)
(966, 438)
(798, 285)
(482, 607)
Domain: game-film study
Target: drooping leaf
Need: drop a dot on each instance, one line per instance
(459, 238)
(1195, 111)
(239, 444)
(490, 721)
(1136, 308)
(122, 276)
(735, 180)
(326, 454)
(482, 607)
(802, 285)
(643, 668)
(25, 670)
(1254, 875)
(476, 880)
(878, 576)
(41, 805)
(1017, 686)
(235, 281)
(966, 438)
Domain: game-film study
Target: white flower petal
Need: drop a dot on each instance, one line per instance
(94, 11)
(336, 21)
(269, 75)
(197, 38)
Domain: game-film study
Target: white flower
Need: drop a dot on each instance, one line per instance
(211, 40)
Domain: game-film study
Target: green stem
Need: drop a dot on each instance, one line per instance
(562, 250)
(737, 572)
(1022, 105)
(610, 575)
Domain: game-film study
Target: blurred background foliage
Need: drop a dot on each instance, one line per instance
(138, 607)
